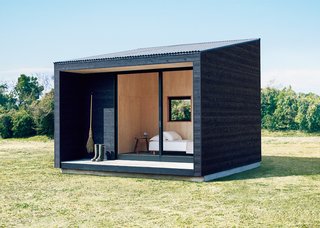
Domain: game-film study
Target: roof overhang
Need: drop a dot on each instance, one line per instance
(132, 68)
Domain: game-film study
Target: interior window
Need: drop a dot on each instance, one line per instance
(179, 108)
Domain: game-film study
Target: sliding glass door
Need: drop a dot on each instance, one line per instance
(154, 116)
(177, 93)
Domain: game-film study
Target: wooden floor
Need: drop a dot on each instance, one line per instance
(150, 167)
(150, 157)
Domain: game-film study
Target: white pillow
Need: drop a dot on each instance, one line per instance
(155, 138)
(171, 136)
(167, 135)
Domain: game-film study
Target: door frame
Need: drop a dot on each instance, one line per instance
(160, 156)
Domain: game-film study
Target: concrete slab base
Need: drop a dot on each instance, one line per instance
(230, 172)
(132, 175)
(205, 178)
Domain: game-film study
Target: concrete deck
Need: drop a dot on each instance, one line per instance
(131, 166)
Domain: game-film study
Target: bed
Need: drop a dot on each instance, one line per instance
(172, 141)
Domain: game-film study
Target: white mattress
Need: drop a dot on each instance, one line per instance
(175, 145)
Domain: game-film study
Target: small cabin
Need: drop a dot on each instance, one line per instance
(189, 110)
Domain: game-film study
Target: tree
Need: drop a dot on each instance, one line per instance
(5, 125)
(286, 110)
(180, 109)
(301, 117)
(27, 90)
(43, 114)
(7, 100)
(313, 116)
(269, 99)
(3, 98)
(23, 124)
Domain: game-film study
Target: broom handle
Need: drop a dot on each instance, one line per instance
(91, 112)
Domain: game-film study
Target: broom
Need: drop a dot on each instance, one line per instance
(90, 143)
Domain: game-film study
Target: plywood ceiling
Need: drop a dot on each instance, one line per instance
(132, 68)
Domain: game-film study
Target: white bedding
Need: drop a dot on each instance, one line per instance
(175, 145)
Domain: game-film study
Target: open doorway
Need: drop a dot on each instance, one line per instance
(137, 112)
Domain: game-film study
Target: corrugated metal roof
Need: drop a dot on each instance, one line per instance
(162, 50)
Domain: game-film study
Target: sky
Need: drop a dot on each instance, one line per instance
(36, 33)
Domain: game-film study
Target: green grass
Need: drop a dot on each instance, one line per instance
(290, 133)
(37, 138)
(283, 192)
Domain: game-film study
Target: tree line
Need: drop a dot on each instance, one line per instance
(24, 112)
(284, 109)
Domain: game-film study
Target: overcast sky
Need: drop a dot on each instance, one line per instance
(35, 33)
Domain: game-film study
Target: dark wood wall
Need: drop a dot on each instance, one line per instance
(197, 117)
(75, 90)
(71, 115)
(103, 88)
(230, 107)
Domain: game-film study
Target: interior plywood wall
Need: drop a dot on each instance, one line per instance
(177, 83)
(137, 108)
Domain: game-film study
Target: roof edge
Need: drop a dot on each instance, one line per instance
(92, 59)
(127, 57)
(230, 45)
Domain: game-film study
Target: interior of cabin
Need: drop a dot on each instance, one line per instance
(138, 113)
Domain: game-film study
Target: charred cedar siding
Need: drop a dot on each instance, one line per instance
(75, 90)
(71, 106)
(230, 107)
(197, 117)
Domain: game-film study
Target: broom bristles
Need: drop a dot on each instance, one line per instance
(90, 144)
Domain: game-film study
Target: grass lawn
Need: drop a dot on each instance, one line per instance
(283, 192)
